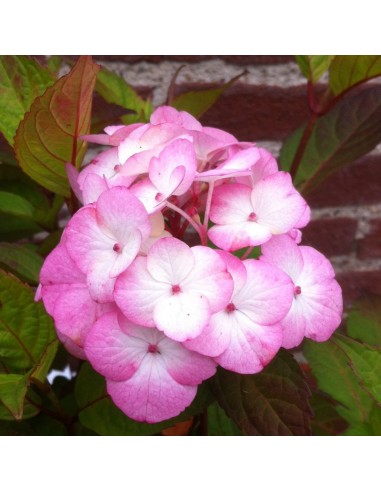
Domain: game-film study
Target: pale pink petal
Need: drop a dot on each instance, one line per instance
(182, 316)
(304, 219)
(146, 245)
(164, 171)
(112, 352)
(167, 114)
(148, 195)
(157, 224)
(105, 165)
(285, 254)
(209, 277)
(251, 346)
(122, 132)
(72, 175)
(93, 186)
(137, 292)
(267, 295)
(120, 213)
(316, 266)
(185, 366)
(277, 204)
(215, 337)
(223, 137)
(170, 260)
(87, 245)
(236, 268)
(151, 394)
(232, 237)
(231, 204)
(100, 283)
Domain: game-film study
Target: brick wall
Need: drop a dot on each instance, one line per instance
(268, 104)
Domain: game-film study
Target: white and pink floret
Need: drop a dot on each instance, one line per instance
(150, 282)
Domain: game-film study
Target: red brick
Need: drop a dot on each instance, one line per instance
(257, 112)
(235, 59)
(358, 183)
(359, 284)
(370, 246)
(331, 236)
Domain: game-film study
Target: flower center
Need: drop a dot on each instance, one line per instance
(117, 248)
(297, 290)
(230, 308)
(117, 168)
(152, 348)
(159, 197)
(176, 289)
(252, 216)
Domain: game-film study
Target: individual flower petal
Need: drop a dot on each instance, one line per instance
(182, 316)
(277, 204)
(151, 395)
(167, 114)
(174, 170)
(112, 352)
(251, 347)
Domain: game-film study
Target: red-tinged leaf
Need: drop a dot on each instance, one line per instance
(351, 129)
(314, 66)
(48, 136)
(347, 71)
(274, 402)
(22, 79)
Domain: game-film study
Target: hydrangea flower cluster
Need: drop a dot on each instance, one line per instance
(149, 282)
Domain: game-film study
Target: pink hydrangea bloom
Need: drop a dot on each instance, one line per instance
(317, 305)
(149, 376)
(154, 315)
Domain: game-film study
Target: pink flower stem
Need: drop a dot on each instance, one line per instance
(247, 252)
(186, 217)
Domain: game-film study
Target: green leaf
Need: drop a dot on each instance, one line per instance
(347, 71)
(351, 129)
(21, 260)
(41, 369)
(331, 367)
(13, 389)
(115, 90)
(22, 79)
(198, 102)
(98, 413)
(326, 421)
(48, 136)
(370, 428)
(364, 320)
(219, 424)
(314, 66)
(365, 362)
(274, 402)
(25, 328)
(15, 205)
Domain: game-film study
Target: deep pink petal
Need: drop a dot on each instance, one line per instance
(151, 394)
(112, 352)
(231, 204)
